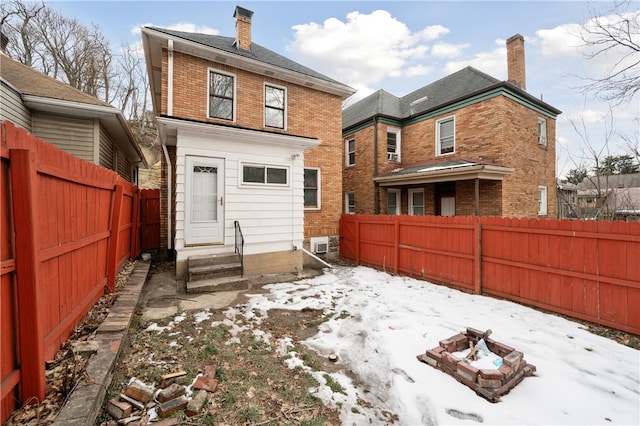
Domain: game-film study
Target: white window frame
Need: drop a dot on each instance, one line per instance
(319, 188)
(284, 110)
(265, 183)
(439, 122)
(235, 97)
(398, 200)
(347, 153)
(398, 150)
(411, 206)
(349, 208)
(542, 200)
(542, 131)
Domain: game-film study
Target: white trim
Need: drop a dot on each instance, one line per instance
(396, 157)
(346, 152)
(347, 204)
(438, 147)
(286, 106)
(542, 200)
(416, 191)
(319, 186)
(235, 88)
(398, 200)
(242, 183)
(542, 133)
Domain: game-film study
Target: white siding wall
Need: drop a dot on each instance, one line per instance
(12, 108)
(73, 135)
(272, 218)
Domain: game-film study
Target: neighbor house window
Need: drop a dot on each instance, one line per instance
(393, 144)
(350, 152)
(312, 188)
(264, 175)
(221, 95)
(542, 200)
(416, 202)
(350, 203)
(542, 131)
(445, 136)
(393, 201)
(275, 102)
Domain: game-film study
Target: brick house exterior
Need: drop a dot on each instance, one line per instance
(274, 117)
(467, 144)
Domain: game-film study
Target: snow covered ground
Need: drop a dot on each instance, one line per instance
(382, 322)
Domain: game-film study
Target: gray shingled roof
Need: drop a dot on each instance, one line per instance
(257, 52)
(31, 82)
(613, 181)
(457, 85)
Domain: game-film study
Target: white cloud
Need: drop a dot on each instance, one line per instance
(180, 26)
(447, 50)
(493, 62)
(364, 48)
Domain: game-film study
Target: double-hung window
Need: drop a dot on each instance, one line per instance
(393, 201)
(542, 200)
(350, 203)
(312, 189)
(275, 107)
(393, 144)
(542, 132)
(222, 89)
(350, 152)
(253, 174)
(445, 136)
(416, 202)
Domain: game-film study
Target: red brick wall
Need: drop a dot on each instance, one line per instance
(310, 113)
(498, 130)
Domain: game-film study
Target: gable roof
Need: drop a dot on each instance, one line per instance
(455, 87)
(612, 181)
(42, 93)
(220, 49)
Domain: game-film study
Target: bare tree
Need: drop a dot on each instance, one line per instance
(614, 35)
(16, 23)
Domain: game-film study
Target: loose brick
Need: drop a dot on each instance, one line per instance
(487, 393)
(489, 383)
(474, 334)
(435, 354)
(501, 349)
(139, 391)
(135, 404)
(206, 383)
(491, 374)
(461, 341)
(167, 422)
(168, 408)
(118, 409)
(424, 358)
(171, 378)
(468, 371)
(465, 380)
(448, 344)
(450, 360)
(172, 392)
(513, 359)
(507, 371)
(196, 404)
(529, 370)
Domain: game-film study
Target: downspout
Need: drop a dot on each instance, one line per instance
(376, 194)
(169, 189)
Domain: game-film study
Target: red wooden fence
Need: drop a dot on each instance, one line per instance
(150, 219)
(584, 269)
(67, 227)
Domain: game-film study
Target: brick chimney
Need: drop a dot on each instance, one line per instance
(243, 27)
(515, 61)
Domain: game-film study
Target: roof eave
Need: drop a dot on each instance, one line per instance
(481, 171)
(110, 117)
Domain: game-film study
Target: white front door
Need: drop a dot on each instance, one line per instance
(448, 206)
(204, 201)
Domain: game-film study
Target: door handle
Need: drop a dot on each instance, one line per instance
(222, 201)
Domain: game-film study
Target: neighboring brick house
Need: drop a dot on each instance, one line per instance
(250, 136)
(467, 144)
(68, 118)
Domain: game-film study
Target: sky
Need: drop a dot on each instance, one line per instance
(401, 46)
(382, 322)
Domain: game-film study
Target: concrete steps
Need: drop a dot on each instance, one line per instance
(209, 273)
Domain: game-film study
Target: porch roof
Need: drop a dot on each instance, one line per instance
(443, 171)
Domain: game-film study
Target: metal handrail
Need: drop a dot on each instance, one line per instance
(239, 244)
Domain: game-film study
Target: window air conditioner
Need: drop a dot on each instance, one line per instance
(320, 248)
(392, 156)
(542, 140)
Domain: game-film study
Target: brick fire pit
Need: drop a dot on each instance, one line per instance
(490, 383)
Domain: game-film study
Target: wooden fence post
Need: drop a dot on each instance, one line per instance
(112, 262)
(477, 237)
(25, 213)
(135, 225)
(357, 242)
(396, 244)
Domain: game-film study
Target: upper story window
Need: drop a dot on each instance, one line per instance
(264, 175)
(542, 200)
(445, 136)
(312, 189)
(275, 106)
(222, 90)
(350, 203)
(542, 131)
(393, 144)
(350, 152)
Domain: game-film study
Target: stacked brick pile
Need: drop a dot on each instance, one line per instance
(488, 383)
(130, 407)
